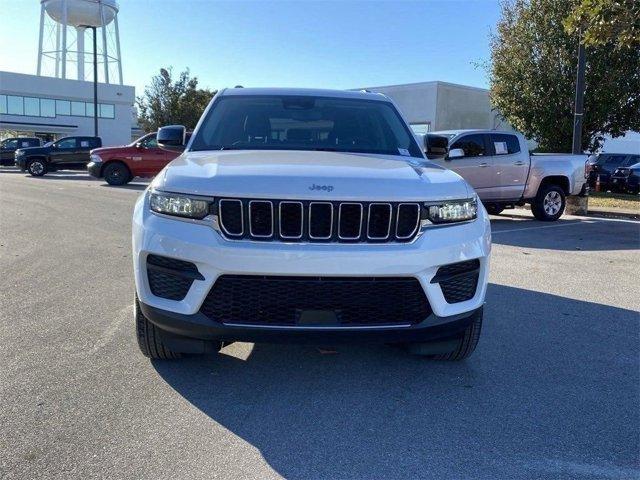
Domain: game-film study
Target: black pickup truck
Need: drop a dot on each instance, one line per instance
(68, 153)
(8, 147)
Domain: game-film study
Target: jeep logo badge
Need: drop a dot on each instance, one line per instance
(326, 188)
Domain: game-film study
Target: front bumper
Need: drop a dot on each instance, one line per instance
(21, 162)
(215, 256)
(95, 169)
(179, 329)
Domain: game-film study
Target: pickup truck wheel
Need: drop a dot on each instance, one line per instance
(549, 204)
(149, 340)
(117, 174)
(462, 348)
(37, 167)
(494, 209)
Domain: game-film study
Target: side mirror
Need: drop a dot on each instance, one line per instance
(435, 146)
(138, 145)
(455, 153)
(172, 137)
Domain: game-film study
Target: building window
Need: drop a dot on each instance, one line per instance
(77, 109)
(32, 106)
(15, 105)
(106, 111)
(47, 107)
(50, 108)
(63, 107)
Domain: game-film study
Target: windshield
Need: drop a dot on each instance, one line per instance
(305, 123)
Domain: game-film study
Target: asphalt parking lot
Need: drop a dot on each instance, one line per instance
(551, 392)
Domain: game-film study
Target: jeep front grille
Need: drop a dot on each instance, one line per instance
(318, 221)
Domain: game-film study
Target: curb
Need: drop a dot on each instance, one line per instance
(621, 213)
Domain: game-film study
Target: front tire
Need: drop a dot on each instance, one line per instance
(462, 348)
(37, 167)
(549, 204)
(149, 339)
(117, 174)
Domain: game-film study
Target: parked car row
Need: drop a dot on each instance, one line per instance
(117, 165)
(496, 164)
(613, 171)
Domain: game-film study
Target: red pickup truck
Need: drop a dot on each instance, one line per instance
(119, 165)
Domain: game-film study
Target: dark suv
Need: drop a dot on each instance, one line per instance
(68, 153)
(602, 166)
(9, 146)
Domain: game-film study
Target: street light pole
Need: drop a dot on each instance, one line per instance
(95, 82)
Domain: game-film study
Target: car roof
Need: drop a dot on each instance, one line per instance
(471, 130)
(305, 92)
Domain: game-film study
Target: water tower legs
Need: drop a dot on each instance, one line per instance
(57, 53)
(41, 33)
(80, 48)
(64, 38)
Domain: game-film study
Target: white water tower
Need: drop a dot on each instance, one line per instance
(64, 24)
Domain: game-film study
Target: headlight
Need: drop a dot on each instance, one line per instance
(452, 211)
(96, 158)
(178, 205)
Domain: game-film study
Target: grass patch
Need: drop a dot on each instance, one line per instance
(614, 200)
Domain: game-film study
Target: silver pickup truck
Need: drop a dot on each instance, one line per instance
(503, 173)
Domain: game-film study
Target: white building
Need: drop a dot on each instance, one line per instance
(431, 106)
(51, 108)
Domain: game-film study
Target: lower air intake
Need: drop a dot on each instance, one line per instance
(286, 301)
(458, 281)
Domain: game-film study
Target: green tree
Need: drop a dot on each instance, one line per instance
(167, 101)
(533, 72)
(606, 21)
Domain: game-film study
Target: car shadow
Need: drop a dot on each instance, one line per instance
(64, 175)
(566, 234)
(539, 391)
(128, 186)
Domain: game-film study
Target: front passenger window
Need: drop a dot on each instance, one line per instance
(473, 145)
(67, 143)
(150, 142)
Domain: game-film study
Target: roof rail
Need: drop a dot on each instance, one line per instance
(238, 86)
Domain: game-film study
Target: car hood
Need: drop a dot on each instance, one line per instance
(111, 150)
(32, 150)
(310, 176)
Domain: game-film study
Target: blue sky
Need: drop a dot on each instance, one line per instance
(328, 44)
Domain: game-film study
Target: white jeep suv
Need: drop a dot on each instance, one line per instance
(307, 216)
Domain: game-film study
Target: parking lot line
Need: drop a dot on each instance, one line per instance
(578, 221)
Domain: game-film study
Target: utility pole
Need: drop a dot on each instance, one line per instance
(579, 105)
(579, 205)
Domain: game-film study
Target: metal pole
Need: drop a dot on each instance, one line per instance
(578, 116)
(64, 39)
(105, 54)
(118, 48)
(57, 50)
(95, 82)
(40, 35)
(80, 45)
